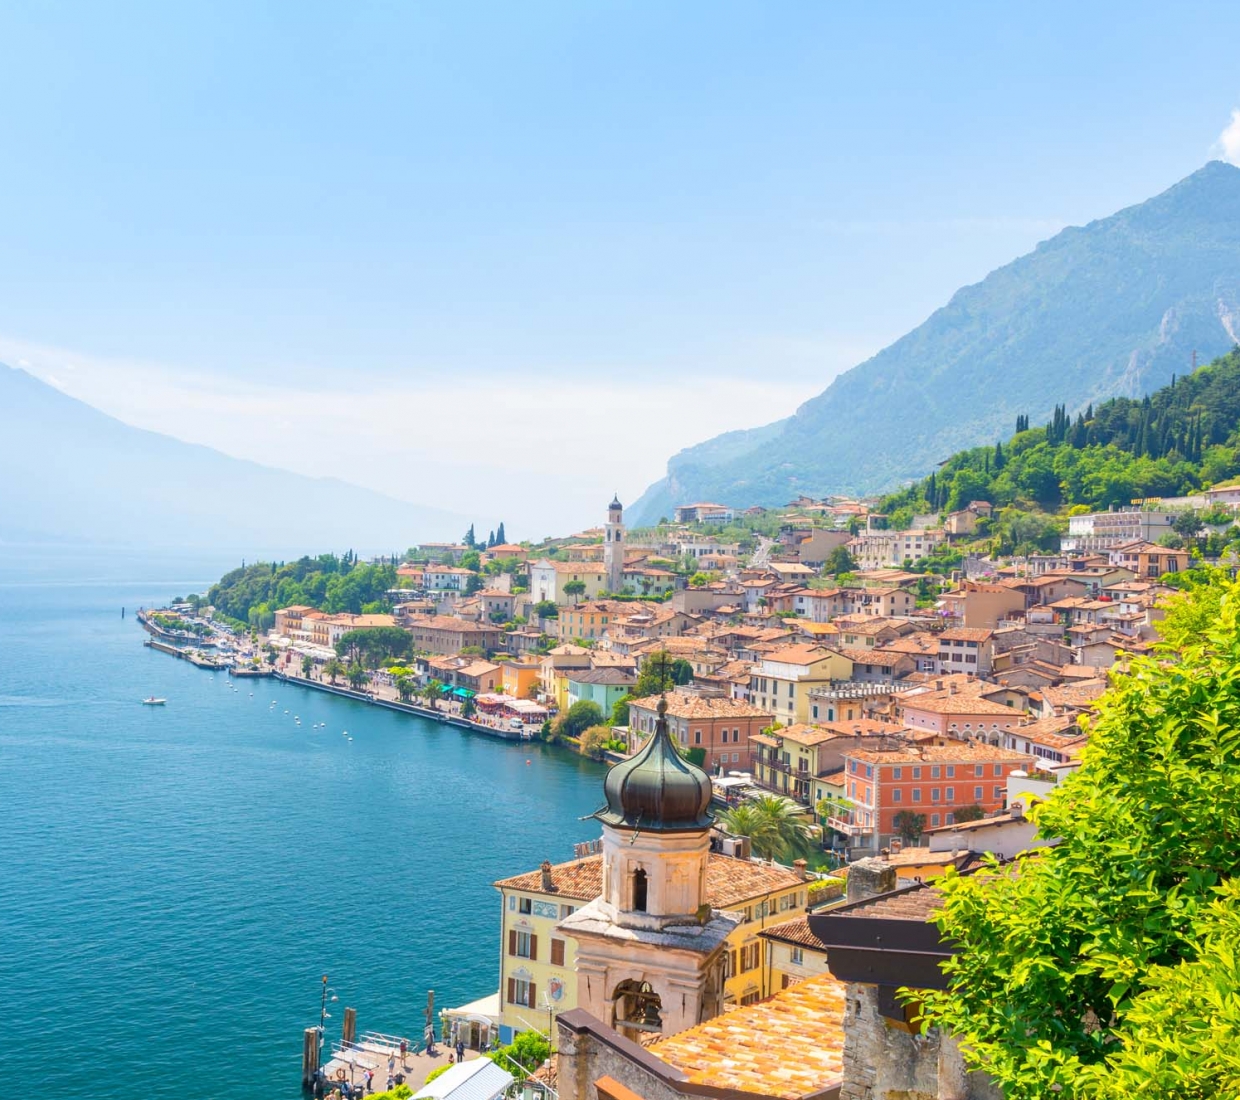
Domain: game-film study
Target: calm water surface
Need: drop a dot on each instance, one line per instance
(174, 881)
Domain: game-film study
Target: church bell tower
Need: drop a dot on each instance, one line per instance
(650, 950)
(613, 546)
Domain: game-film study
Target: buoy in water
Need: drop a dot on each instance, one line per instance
(527, 763)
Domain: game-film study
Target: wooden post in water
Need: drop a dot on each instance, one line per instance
(309, 1056)
(349, 1030)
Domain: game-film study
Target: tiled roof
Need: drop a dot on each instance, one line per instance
(790, 1045)
(680, 705)
(1079, 694)
(966, 634)
(916, 903)
(959, 753)
(618, 677)
(795, 931)
(958, 703)
(878, 657)
(729, 882)
(798, 655)
(805, 735)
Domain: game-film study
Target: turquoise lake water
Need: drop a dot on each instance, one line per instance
(175, 881)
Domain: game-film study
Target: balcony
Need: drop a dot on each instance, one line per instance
(847, 826)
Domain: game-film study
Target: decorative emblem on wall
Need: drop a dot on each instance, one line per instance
(555, 989)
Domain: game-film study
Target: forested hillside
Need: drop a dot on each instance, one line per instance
(1180, 439)
(333, 584)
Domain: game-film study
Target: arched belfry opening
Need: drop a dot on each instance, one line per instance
(637, 1007)
(640, 887)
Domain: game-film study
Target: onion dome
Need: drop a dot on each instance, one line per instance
(657, 791)
(615, 504)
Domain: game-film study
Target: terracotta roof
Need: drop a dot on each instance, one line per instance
(729, 882)
(798, 655)
(680, 705)
(790, 1045)
(966, 634)
(795, 931)
(805, 735)
(958, 703)
(1079, 694)
(880, 657)
(960, 753)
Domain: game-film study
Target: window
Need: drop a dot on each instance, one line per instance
(798, 956)
(736, 737)
(934, 820)
(869, 771)
(977, 794)
(639, 891)
(525, 905)
(522, 945)
(950, 794)
(951, 772)
(897, 773)
(736, 757)
(697, 736)
(934, 772)
(998, 769)
(567, 910)
(999, 792)
(950, 820)
(557, 952)
(916, 794)
(917, 773)
(934, 794)
(897, 795)
(977, 770)
(751, 957)
(751, 998)
(521, 992)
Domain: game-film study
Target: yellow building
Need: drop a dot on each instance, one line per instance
(782, 681)
(793, 953)
(537, 975)
(520, 679)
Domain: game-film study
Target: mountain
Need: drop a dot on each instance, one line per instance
(70, 472)
(1111, 309)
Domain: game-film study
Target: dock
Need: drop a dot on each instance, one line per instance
(372, 1051)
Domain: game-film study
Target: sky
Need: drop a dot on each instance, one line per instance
(508, 258)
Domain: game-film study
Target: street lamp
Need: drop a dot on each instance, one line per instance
(324, 1016)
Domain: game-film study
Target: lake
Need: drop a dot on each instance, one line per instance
(176, 880)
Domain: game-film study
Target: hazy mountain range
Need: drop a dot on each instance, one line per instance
(1111, 309)
(71, 473)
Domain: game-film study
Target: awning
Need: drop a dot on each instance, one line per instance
(463, 693)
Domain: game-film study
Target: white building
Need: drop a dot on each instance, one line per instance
(1102, 530)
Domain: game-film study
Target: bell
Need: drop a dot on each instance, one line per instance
(650, 1013)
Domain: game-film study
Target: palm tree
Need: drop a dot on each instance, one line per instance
(404, 688)
(333, 668)
(433, 690)
(307, 663)
(775, 826)
(357, 676)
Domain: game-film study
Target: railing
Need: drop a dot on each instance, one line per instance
(847, 826)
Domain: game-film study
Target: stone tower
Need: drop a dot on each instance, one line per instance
(613, 546)
(650, 950)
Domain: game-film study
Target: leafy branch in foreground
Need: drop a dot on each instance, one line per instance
(1107, 966)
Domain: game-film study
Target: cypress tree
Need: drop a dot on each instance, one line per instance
(999, 458)
(499, 534)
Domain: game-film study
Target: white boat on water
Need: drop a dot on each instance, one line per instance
(153, 702)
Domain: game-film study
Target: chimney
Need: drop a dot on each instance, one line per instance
(868, 878)
(548, 884)
(1017, 810)
(951, 688)
(799, 866)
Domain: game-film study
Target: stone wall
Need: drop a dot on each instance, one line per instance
(582, 1058)
(884, 1060)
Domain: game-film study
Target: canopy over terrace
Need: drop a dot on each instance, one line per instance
(510, 707)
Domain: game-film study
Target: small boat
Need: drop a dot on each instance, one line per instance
(153, 702)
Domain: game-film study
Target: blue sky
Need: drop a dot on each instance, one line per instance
(518, 254)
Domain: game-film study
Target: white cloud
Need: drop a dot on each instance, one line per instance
(542, 453)
(1228, 144)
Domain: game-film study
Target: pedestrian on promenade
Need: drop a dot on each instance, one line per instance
(404, 1050)
(460, 1049)
(391, 1062)
(391, 1082)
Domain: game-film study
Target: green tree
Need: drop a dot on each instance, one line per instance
(374, 645)
(357, 676)
(434, 690)
(1072, 963)
(620, 711)
(1187, 524)
(776, 826)
(333, 668)
(594, 740)
(469, 708)
(528, 1051)
(839, 561)
(574, 589)
(405, 687)
(471, 559)
(500, 537)
(580, 717)
(546, 609)
(307, 664)
(969, 813)
(910, 825)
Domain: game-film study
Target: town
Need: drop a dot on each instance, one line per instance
(809, 717)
